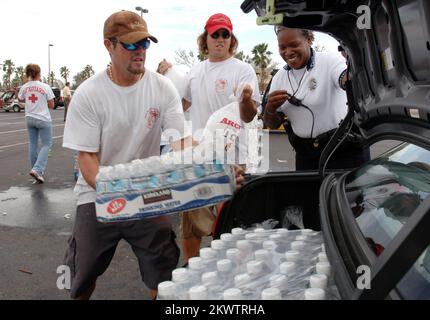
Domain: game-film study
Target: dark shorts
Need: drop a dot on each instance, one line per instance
(92, 246)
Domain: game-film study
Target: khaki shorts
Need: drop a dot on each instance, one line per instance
(198, 223)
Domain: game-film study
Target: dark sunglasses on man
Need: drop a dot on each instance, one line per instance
(224, 34)
(145, 43)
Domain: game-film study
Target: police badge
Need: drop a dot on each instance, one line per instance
(313, 84)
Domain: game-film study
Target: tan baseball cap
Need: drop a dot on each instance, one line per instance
(128, 27)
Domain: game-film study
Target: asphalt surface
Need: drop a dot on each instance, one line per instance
(36, 220)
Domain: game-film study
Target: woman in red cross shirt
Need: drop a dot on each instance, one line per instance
(38, 98)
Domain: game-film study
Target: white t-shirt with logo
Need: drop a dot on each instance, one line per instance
(211, 84)
(36, 95)
(319, 90)
(121, 124)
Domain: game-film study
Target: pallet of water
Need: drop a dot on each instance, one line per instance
(256, 264)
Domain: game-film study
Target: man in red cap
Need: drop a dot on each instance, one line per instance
(210, 84)
(117, 116)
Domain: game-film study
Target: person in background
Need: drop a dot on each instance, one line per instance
(67, 96)
(310, 91)
(210, 84)
(38, 98)
(115, 117)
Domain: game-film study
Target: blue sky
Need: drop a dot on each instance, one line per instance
(75, 29)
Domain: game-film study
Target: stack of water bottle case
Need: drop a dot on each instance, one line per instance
(256, 264)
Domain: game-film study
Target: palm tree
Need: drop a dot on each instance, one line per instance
(64, 72)
(8, 68)
(51, 78)
(261, 60)
(88, 71)
(19, 78)
(241, 56)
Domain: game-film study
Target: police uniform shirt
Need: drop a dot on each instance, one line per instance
(318, 86)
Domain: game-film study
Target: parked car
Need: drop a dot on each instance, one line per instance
(9, 101)
(377, 215)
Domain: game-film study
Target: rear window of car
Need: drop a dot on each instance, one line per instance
(383, 195)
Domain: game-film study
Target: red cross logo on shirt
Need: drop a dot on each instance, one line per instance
(33, 98)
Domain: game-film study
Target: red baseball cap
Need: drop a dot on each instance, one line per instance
(218, 21)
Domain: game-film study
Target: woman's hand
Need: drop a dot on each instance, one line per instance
(276, 99)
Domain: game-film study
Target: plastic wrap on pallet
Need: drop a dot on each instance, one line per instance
(268, 264)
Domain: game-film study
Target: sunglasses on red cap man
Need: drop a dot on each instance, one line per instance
(218, 21)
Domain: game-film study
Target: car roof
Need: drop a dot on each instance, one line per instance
(389, 54)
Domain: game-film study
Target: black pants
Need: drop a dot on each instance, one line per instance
(350, 154)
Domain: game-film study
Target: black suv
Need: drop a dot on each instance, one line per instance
(58, 99)
(378, 215)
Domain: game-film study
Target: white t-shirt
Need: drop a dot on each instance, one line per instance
(211, 84)
(36, 95)
(319, 90)
(121, 123)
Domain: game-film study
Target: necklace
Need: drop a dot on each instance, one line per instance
(110, 75)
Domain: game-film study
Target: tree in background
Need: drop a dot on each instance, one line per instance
(188, 58)
(19, 78)
(51, 78)
(83, 75)
(8, 69)
(64, 72)
(241, 56)
(263, 64)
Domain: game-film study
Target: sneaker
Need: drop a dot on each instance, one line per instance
(39, 178)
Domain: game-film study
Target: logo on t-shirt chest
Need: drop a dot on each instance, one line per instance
(220, 85)
(151, 116)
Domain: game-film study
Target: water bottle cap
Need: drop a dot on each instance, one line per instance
(318, 281)
(233, 294)
(209, 278)
(233, 254)
(301, 238)
(271, 294)
(251, 236)
(241, 279)
(292, 255)
(314, 294)
(254, 267)
(276, 237)
(195, 263)
(227, 237)
(237, 231)
(323, 268)
(180, 275)
(259, 230)
(198, 293)
(287, 268)
(207, 253)
(224, 265)
(269, 245)
(322, 257)
(217, 245)
(279, 281)
(244, 245)
(166, 288)
(282, 231)
(262, 255)
(297, 245)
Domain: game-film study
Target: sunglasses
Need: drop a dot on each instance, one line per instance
(224, 34)
(134, 46)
